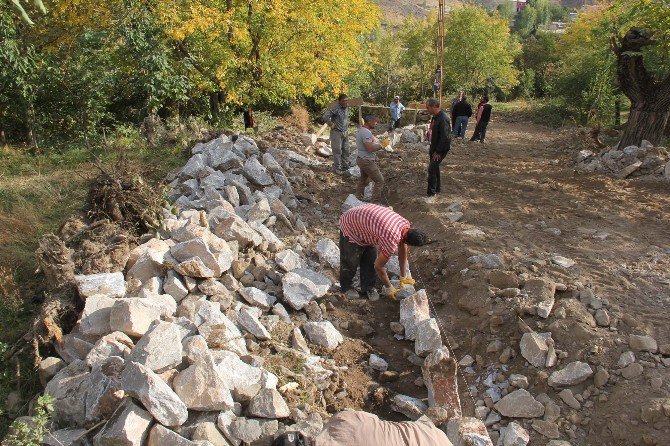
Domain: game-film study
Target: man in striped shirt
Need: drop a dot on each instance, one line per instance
(369, 235)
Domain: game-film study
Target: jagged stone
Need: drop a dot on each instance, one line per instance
(104, 284)
(248, 319)
(147, 260)
(519, 404)
(257, 297)
(413, 311)
(201, 387)
(48, 368)
(129, 426)
(487, 261)
(503, 279)
(134, 316)
(350, 203)
(210, 433)
(378, 363)
(194, 250)
(439, 375)
(513, 435)
(256, 173)
(572, 374)
(68, 388)
(302, 285)
(232, 227)
(72, 437)
(541, 293)
(154, 394)
(113, 344)
(160, 348)
(534, 348)
(466, 431)
(94, 319)
(428, 337)
(162, 436)
(288, 260)
(643, 343)
(268, 403)
(412, 408)
(298, 341)
(328, 252)
(274, 243)
(323, 333)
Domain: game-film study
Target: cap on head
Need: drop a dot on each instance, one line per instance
(397, 97)
(291, 439)
(368, 118)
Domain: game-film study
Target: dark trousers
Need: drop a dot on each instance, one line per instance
(434, 176)
(352, 257)
(480, 131)
(394, 125)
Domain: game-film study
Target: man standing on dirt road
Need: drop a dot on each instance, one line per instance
(366, 229)
(337, 117)
(439, 135)
(367, 145)
(396, 108)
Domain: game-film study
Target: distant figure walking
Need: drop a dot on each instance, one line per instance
(454, 101)
(337, 117)
(367, 145)
(249, 122)
(396, 110)
(462, 112)
(483, 118)
(440, 142)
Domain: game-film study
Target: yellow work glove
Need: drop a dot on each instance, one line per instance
(407, 280)
(389, 292)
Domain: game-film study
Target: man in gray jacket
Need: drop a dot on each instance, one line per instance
(338, 118)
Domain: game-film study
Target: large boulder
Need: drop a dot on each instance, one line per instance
(328, 252)
(160, 347)
(134, 316)
(323, 333)
(128, 426)
(570, 375)
(105, 284)
(258, 298)
(413, 311)
(201, 387)
(302, 285)
(268, 403)
(69, 388)
(154, 394)
(428, 337)
(94, 319)
(519, 404)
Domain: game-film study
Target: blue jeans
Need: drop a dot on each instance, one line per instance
(460, 125)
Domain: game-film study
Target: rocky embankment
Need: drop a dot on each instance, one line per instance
(217, 330)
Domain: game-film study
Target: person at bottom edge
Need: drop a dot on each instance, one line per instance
(357, 428)
(440, 144)
(366, 229)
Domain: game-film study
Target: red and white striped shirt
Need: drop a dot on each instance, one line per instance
(373, 225)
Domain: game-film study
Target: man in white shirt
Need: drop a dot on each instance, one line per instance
(396, 109)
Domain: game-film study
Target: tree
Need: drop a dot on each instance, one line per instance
(481, 51)
(643, 68)
(22, 11)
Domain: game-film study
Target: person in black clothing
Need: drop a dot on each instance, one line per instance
(440, 143)
(483, 118)
(462, 112)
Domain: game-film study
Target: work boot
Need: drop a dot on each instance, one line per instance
(373, 295)
(352, 294)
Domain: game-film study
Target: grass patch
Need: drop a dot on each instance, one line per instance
(38, 192)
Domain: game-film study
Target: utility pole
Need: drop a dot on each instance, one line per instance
(439, 48)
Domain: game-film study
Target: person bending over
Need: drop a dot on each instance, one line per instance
(369, 235)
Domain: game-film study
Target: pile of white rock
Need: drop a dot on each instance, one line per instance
(632, 161)
(165, 351)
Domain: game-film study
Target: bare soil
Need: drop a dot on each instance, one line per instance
(518, 189)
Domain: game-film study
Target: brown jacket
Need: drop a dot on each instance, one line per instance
(354, 428)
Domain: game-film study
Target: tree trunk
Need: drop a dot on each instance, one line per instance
(214, 105)
(644, 125)
(650, 98)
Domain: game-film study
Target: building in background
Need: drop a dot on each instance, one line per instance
(518, 5)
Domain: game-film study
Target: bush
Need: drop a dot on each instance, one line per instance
(32, 433)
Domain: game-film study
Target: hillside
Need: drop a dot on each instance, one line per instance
(394, 11)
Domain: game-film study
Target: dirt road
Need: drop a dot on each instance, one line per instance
(529, 204)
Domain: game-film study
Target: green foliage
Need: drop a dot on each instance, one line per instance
(538, 56)
(479, 51)
(32, 434)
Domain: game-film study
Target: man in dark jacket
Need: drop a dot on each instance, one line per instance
(440, 143)
(483, 118)
(462, 112)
